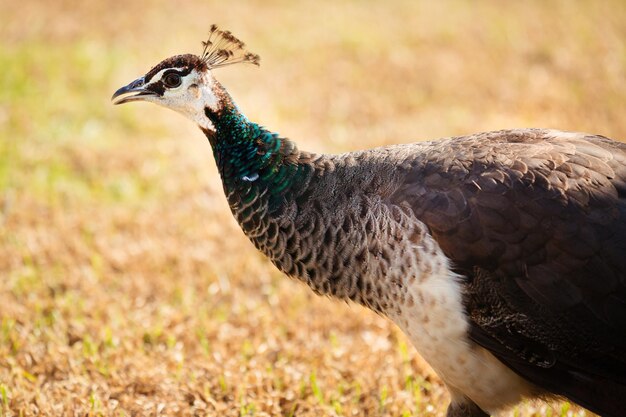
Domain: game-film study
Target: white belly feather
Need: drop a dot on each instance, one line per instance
(435, 321)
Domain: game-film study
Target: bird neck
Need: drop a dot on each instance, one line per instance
(260, 171)
(283, 200)
(263, 176)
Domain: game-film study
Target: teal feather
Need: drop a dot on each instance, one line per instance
(252, 159)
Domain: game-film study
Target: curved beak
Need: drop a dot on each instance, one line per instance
(134, 91)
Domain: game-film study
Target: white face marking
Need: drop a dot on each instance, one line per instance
(191, 97)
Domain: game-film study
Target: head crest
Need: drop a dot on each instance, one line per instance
(223, 48)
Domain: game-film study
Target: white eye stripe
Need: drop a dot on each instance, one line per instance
(159, 74)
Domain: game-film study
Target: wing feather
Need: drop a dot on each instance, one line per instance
(536, 222)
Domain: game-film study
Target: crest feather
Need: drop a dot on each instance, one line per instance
(222, 48)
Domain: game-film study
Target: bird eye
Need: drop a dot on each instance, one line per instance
(172, 80)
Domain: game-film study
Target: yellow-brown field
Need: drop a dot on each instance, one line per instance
(126, 288)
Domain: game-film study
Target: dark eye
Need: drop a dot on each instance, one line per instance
(172, 80)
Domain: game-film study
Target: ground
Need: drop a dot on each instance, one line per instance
(126, 287)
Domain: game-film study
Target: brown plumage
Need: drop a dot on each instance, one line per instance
(502, 255)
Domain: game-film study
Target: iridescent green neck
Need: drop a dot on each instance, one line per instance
(253, 161)
(305, 221)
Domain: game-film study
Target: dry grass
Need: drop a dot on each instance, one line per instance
(127, 289)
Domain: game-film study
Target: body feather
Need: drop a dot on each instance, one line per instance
(502, 255)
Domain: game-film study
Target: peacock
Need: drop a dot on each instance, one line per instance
(501, 255)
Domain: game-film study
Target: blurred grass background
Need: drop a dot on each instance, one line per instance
(127, 289)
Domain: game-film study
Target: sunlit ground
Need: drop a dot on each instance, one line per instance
(126, 287)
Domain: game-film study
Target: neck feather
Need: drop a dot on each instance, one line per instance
(284, 201)
(255, 164)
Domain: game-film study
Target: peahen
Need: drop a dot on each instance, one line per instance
(501, 255)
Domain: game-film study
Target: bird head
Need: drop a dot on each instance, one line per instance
(185, 83)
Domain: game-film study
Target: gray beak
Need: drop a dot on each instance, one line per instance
(134, 91)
